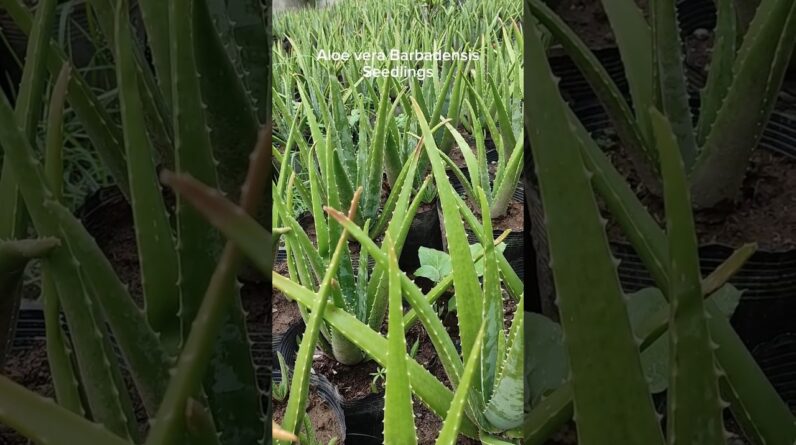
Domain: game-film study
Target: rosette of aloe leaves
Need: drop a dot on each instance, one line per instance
(189, 284)
(709, 367)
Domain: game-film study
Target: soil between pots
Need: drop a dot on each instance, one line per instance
(323, 418)
(764, 213)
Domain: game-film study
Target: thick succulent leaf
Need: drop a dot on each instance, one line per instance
(105, 136)
(465, 281)
(450, 428)
(634, 39)
(299, 388)
(671, 75)
(45, 422)
(201, 346)
(504, 410)
(230, 381)
(229, 111)
(156, 250)
(604, 87)
(399, 420)
(580, 254)
(138, 342)
(759, 71)
(721, 72)
(694, 406)
(27, 112)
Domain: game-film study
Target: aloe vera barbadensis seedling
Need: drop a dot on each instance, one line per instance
(148, 358)
(736, 103)
(754, 402)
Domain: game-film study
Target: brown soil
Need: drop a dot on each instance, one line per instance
(588, 20)
(323, 418)
(764, 213)
(284, 313)
(27, 367)
(353, 382)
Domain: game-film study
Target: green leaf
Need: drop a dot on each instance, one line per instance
(399, 419)
(453, 420)
(45, 422)
(583, 267)
(758, 71)
(671, 74)
(546, 362)
(694, 405)
(434, 264)
(156, 250)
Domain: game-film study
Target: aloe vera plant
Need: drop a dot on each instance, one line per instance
(726, 371)
(189, 286)
(736, 103)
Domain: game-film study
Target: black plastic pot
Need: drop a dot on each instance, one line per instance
(364, 417)
(328, 394)
(777, 358)
(424, 232)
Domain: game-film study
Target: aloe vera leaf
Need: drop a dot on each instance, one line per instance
(758, 399)
(139, 344)
(399, 420)
(300, 385)
(721, 73)
(424, 385)
(372, 195)
(503, 190)
(318, 197)
(231, 118)
(469, 189)
(103, 133)
(245, 29)
(674, 93)
(470, 160)
(604, 87)
(482, 108)
(637, 224)
(425, 312)
(155, 14)
(635, 41)
(454, 107)
(512, 281)
(694, 408)
(45, 422)
(401, 220)
(13, 223)
(554, 410)
(15, 255)
(465, 280)
(59, 355)
(503, 117)
(156, 250)
(201, 346)
(481, 174)
(492, 307)
(230, 380)
(580, 254)
(504, 410)
(388, 211)
(154, 106)
(450, 427)
(346, 140)
(759, 71)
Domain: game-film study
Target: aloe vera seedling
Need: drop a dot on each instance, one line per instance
(736, 103)
(754, 402)
(225, 407)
